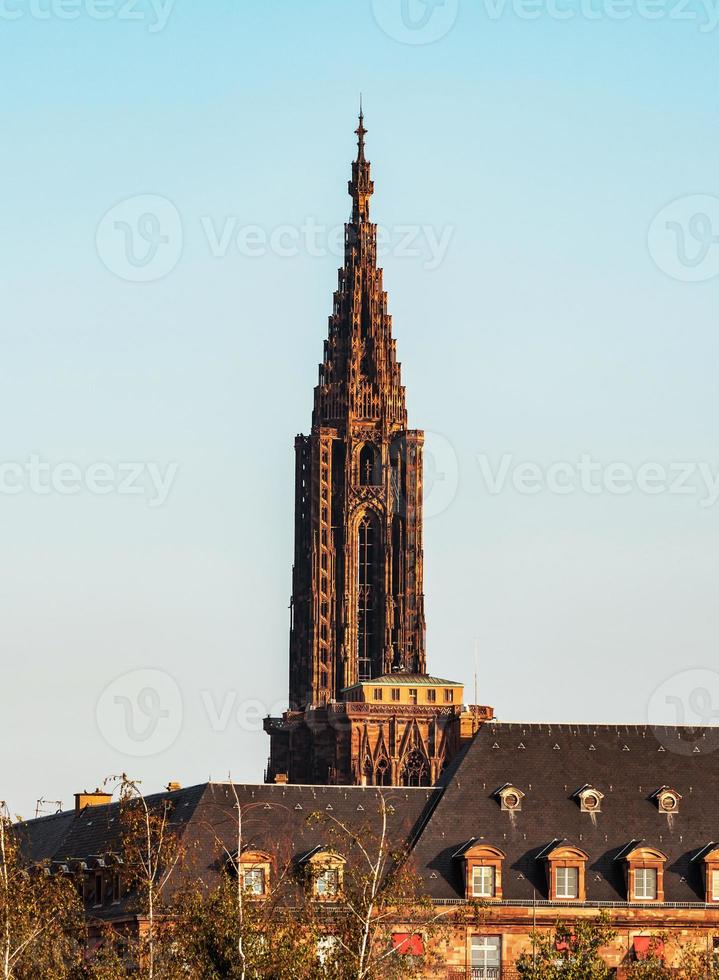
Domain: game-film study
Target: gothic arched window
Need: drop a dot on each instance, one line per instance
(369, 469)
(382, 773)
(415, 771)
(367, 601)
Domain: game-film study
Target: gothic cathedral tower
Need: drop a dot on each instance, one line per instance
(357, 602)
(362, 708)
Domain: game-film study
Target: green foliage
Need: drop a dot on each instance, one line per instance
(42, 932)
(570, 953)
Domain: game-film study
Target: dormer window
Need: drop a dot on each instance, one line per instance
(645, 874)
(482, 870)
(566, 873)
(254, 871)
(667, 799)
(326, 870)
(710, 861)
(590, 799)
(510, 798)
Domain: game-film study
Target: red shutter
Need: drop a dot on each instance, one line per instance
(645, 946)
(408, 943)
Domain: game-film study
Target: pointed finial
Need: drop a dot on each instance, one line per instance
(360, 133)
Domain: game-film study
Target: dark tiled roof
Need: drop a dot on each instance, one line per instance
(42, 836)
(403, 679)
(549, 763)
(275, 819)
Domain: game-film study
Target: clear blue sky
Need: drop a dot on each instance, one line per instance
(544, 148)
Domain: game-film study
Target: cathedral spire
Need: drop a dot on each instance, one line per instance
(361, 133)
(360, 187)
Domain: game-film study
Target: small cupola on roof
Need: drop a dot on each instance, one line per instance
(589, 799)
(510, 797)
(667, 799)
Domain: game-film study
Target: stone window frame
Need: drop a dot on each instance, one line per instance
(584, 796)
(711, 875)
(482, 855)
(506, 794)
(668, 800)
(566, 856)
(644, 859)
(255, 860)
(325, 860)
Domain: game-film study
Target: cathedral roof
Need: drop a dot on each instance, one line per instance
(405, 679)
(552, 765)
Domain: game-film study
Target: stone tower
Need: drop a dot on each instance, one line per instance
(357, 602)
(357, 585)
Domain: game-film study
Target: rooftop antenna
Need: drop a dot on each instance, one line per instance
(43, 806)
(476, 671)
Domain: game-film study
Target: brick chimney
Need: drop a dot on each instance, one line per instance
(172, 786)
(97, 798)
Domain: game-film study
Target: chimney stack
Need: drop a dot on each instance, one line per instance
(98, 798)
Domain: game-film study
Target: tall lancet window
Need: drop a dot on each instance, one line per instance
(367, 606)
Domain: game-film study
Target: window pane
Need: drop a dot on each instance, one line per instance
(715, 886)
(327, 882)
(253, 880)
(483, 882)
(645, 883)
(485, 950)
(567, 882)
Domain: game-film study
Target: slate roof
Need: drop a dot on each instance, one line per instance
(275, 819)
(549, 763)
(404, 679)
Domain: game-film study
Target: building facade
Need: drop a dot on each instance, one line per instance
(357, 607)
(531, 826)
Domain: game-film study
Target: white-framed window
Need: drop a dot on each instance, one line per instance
(328, 882)
(253, 881)
(486, 952)
(328, 949)
(645, 883)
(715, 886)
(567, 883)
(483, 882)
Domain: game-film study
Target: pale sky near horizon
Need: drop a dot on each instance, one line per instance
(174, 177)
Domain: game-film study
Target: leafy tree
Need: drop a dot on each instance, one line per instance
(151, 852)
(41, 922)
(380, 891)
(570, 953)
(224, 931)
